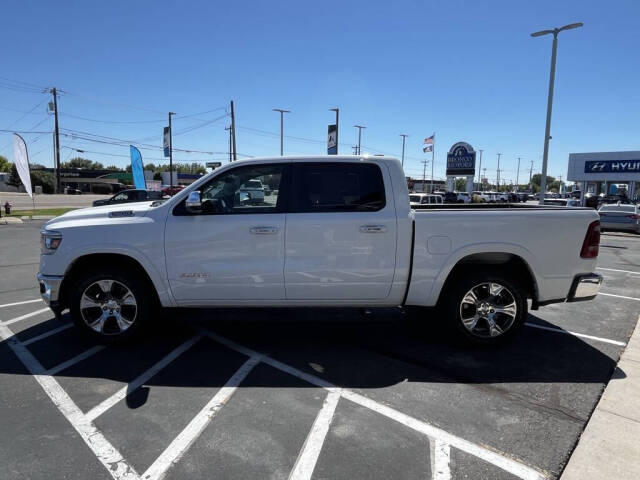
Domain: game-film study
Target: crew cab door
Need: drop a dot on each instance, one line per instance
(234, 248)
(341, 232)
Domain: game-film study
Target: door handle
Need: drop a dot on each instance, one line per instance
(264, 230)
(373, 228)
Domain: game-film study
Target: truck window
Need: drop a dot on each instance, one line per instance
(337, 187)
(235, 191)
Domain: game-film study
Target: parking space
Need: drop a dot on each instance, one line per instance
(301, 394)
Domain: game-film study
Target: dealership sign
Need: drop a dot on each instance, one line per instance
(612, 166)
(461, 159)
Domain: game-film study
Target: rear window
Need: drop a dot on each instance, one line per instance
(253, 184)
(619, 208)
(414, 198)
(338, 187)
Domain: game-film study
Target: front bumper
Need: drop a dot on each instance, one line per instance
(585, 287)
(50, 288)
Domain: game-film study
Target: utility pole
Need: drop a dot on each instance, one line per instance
(170, 155)
(337, 110)
(484, 170)
(404, 137)
(57, 138)
(229, 129)
(552, 76)
(233, 132)
(498, 174)
(480, 168)
(359, 127)
(518, 174)
(282, 112)
(530, 176)
(355, 149)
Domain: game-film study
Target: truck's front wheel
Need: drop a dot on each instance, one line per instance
(486, 308)
(110, 305)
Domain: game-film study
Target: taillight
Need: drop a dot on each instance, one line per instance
(634, 217)
(591, 244)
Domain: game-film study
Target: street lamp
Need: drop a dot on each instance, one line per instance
(282, 112)
(404, 137)
(359, 127)
(552, 74)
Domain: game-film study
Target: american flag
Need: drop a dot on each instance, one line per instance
(428, 144)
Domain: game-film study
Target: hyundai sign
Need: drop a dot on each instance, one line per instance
(461, 160)
(612, 166)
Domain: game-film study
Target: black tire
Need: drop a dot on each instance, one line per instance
(454, 309)
(144, 298)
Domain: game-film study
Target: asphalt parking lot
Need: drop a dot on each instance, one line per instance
(320, 394)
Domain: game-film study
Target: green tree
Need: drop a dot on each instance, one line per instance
(38, 177)
(79, 162)
(113, 168)
(461, 184)
(536, 179)
(14, 178)
(5, 165)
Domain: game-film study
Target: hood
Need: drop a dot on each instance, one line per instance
(101, 215)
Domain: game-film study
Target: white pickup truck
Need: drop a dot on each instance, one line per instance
(336, 231)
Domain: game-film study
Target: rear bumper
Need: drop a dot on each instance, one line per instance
(585, 287)
(50, 289)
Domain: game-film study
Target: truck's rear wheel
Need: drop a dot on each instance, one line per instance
(110, 305)
(486, 308)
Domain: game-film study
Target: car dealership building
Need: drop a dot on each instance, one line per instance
(606, 172)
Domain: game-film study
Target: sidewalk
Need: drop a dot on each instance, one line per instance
(610, 444)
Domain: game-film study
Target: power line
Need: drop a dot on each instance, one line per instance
(109, 121)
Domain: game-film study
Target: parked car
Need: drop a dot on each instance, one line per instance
(424, 199)
(341, 233)
(72, 191)
(620, 217)
(522, 196)
(592, 200)
(128, 196)
(172, 190)
(482, 197)
(255, 190)
(562, 202)
(457, 197)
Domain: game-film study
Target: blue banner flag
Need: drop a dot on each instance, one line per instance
(137, 169)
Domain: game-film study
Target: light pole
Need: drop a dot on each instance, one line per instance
(171, 155)
(498, 174)
(282, 112)
(359, 127)
(479, 169)
(552, 75)
(518, 174)
(337, 110)
(404, 137)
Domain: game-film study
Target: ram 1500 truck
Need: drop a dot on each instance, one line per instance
(334, 231)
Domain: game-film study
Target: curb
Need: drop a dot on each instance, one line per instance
(9, 220)
(609, 446)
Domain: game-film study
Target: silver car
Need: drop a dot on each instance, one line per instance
(620, 217)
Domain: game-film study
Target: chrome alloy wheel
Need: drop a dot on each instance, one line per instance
(108, 307)
(488, 310)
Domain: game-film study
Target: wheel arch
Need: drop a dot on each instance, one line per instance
(508, 262)
(92, 261)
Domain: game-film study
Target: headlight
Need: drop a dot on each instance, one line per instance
(50, 241)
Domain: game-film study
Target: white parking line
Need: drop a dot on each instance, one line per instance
(72, 361)
(20, 303)
(106, 453)
(617, 270)
(47, 334)
(581, 335)
(308, 456)
(196, 426)
(440, 460)
(512, 466)
(98, 410)
(28, 315)
(619, 296)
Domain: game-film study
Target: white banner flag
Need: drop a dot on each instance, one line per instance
(21, 161)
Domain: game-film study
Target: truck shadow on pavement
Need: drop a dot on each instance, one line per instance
(346, 348)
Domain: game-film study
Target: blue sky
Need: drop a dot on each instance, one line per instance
(465, 70)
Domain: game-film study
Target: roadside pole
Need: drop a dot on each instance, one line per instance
(170, 155)
(518, 174)
(404, 137)
(359, 127)
(282, 112)
(56, 139)
(433, 156)
(479, 174)
(233, 132)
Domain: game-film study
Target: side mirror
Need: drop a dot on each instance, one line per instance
(193, 204)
